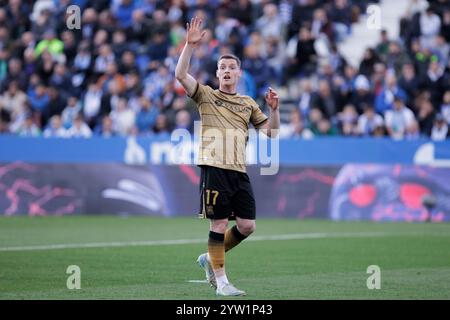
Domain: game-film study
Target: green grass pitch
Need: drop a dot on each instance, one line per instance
(136, 258)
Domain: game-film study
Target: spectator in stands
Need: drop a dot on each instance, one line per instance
(79, 128)
(123, 117)
(382, 47)
(5, 118)
(270, 25)
(56, 104)
(440, 129)
(29, 127)
(183, 120)
(105, 129)
(138, 31)
(146, 117)
(307, 97)
(11, 70)
(69, 45)
(379, 131)
(110, 99)
(70, 112)
(433, 81)
(119, 44)
(50, 43)
(4, 126)
(340, 13)
(242, 10)
(55, 128)
(128, 63)
(295, 128)
(61, 80)
(4, 56)
(161, 129)
(256, 65)
(14, 100)
(224, 26)
(45, 65)
(89, 20)
(38, 99)
(399, 119)
(82, 67)
(396, 57)
(326, 100)
(377, 78)
(445, 106)
(412, 131)
(362, 95)
(129, 49)
(409, 82)
(112, 74)
(123, 12)
(92, 102)
(369, 121)
(385, 98)
(314, 117)
(442, 50)
(445, 26)
(302, 57)
(321, 25)
(275, 59)
(430, 26)
(367, 65)
(347, 120)
(29, 66)
(325, 128)
(425, 117)
(105, 57)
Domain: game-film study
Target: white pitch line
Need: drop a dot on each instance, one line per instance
(292, 236)
(197, 281)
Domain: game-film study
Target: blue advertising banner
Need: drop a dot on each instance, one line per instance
(146, 150)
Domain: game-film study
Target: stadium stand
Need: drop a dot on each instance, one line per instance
(115, 75)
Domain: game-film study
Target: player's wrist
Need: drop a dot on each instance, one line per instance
(274, 108)
(190, 44)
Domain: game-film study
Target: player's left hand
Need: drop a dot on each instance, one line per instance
(272, 99)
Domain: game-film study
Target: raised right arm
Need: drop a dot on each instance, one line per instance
(181, 72)
(193, 36)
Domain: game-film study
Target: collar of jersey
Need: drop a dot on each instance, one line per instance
(230, 94)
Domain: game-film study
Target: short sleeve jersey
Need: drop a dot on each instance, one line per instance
(224, 127)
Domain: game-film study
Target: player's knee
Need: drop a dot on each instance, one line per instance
(247, 228)
(219, 226)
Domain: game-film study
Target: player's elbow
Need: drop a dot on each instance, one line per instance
(180, 77)
(180, 74)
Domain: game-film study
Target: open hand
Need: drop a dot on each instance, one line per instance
(194, 31)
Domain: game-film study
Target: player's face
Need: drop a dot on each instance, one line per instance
(228, 72)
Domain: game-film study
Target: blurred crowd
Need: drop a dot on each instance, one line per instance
(115, 74)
